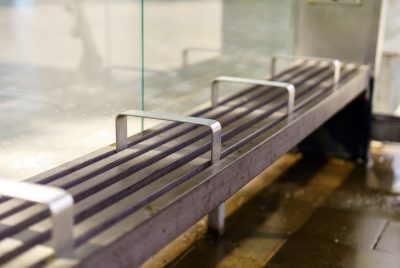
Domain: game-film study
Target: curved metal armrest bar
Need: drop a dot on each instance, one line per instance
(289, 87)
(336, 64)
(215, 126)
(60, 204)
(185, 53)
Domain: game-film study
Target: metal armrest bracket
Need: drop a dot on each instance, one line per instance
(60, 204)
(216, 222)
(290, 88)
(336, 65)
(122, 128)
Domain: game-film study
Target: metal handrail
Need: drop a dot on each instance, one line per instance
(290, 88)
(216, 129)
(215, 126)
(60, 204)
(336, 64)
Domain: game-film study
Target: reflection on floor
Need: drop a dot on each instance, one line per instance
(314, 213)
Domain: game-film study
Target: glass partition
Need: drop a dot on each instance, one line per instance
(66, 69)
(387, 93)
(189, 43)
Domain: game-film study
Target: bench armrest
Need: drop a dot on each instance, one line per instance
(290, 88)
(60, 204)
(121, 128)
(336, 64)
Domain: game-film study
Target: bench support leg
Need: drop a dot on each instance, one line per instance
(216, 220)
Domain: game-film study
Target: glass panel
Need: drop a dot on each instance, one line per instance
(387, 93)
(189, 43)
(66, 69)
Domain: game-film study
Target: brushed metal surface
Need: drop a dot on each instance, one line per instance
(290, 88)
(350, 33)
(59, 202)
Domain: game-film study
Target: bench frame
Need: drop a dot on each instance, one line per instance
(207, 190)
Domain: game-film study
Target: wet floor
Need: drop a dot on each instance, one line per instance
(305, 212)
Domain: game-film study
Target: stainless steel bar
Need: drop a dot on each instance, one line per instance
(336, 64)
(122, 128)
(289, 87)
(60, 204)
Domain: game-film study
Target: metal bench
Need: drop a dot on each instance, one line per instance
(134, 197)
